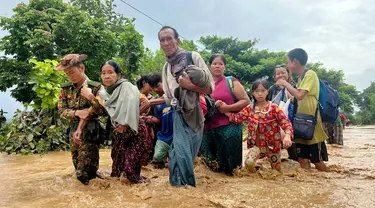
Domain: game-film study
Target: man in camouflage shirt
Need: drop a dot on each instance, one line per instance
(73, 106)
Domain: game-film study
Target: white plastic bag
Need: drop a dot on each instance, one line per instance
(285, 105)
(277, 98)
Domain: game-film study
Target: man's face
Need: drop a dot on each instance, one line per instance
(159, 88)
(168, 42)
(293, 65)
(75, 73)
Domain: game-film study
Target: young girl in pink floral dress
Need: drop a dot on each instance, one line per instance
(264, 122)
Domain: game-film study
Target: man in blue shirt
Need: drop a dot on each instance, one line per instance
(164, 114)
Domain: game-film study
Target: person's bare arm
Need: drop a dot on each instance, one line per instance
(242, 99)
(157, 101)
(297, 93)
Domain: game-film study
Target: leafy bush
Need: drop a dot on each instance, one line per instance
(36, 131)
(46, 81)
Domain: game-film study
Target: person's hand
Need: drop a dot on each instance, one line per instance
(87, 93)
(222, 106)
(287, 142)
(281, 83)
(122, 129)
(184, 81)
(218, 103)
(83, 114)
(147, 119)
(76, 137)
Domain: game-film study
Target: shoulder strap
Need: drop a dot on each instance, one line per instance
(284, 93)
(303, 74)
(230, 84)
(189, 58)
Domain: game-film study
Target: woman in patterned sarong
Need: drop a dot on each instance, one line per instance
(124, 104)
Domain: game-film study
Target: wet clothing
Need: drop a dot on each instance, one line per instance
(267, 122)
(188, 120)
(314, 152)
(161, 150)
(274, 158)
(164, 137)
(221, 148)
(85, 159)
(86, 156)
(127, 153)
(339, 137)
(334, 132)
(131, 148)
(222, 142)
(184, 149)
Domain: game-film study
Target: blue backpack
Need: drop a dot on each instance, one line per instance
(328, 101)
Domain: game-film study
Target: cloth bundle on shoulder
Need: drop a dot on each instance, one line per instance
(188, 100)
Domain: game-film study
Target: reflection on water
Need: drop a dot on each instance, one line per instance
(48, 181)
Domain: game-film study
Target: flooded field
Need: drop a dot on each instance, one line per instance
(48, 181)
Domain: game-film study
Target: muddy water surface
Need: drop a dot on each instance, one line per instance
(48, 181)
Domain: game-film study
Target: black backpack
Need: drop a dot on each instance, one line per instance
(210, 102)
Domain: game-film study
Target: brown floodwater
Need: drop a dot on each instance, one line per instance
(48, 181)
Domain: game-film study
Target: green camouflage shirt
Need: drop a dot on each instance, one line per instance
(71, 100)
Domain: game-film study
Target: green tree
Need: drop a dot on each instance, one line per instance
(49, 29)
(366, 103)
(244, 61)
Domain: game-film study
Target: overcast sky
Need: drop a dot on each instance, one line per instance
(338, 33)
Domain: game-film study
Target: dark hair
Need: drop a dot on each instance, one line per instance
(215, 56)
(299, 54)
(176, 35)
(115, 66)
(290, 78)
(154, 79)
(255, 85)
(143, 78)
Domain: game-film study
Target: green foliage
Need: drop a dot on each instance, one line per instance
(46, 81)
(33, 132)
(133, 50)
(50, 29)
(243, 60)
(366, 103)
(189, 45)
(2, 118)
(152, 61)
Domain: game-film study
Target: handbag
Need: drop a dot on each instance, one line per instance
(304, 125)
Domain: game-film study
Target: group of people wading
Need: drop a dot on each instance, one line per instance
(173, 127)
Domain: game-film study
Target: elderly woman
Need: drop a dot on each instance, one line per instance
(124, 104)
(222, 143)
